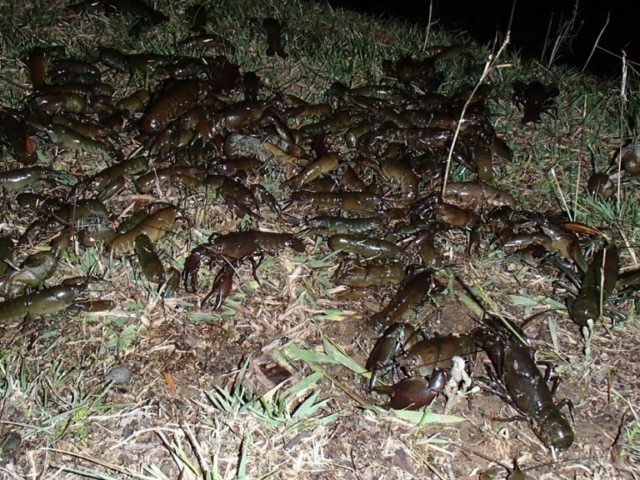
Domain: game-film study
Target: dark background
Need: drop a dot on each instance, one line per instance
(482, 19)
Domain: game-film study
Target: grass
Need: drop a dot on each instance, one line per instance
(200, 405)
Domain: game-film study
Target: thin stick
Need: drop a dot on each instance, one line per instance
(428, 32)
(96, 461)
(623, 108)
(627, 243)
(562, 199)
(595, 45)
(546, 39)
(204, 465)
(575, 198)
(487, 69)
(629, 62)
(429, 465)
(354, 396)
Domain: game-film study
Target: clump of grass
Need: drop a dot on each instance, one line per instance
(291, 409)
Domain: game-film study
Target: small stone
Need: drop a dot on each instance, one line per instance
(10, 444)
(119, 375)
(180, 405)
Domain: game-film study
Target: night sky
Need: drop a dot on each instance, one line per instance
(482, 19)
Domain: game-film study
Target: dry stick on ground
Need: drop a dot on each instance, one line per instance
(595, 45)
(183, 464)
(546, 39)
(428, 464)
(580, 153)
(195, 444)
(516, 468)
(623, 106)
(488, 67)
(621, 127)
(96, 461)
(565, 205)
(426, 36)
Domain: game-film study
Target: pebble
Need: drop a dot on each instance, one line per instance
(119, 375)
(10, 444)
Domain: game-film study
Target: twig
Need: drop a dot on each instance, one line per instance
(575, 198)
(562, 199)
(110, 466)
(546, 39)
(623, 108)
(487, 69)
(627, 244)
(204, 465)
(595, 45)
(426, 36)
(354, 396)
(630, 62)
(429, 465)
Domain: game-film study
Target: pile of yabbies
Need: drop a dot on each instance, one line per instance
(364, 171)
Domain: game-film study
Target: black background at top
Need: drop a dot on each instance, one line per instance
(482, 19)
